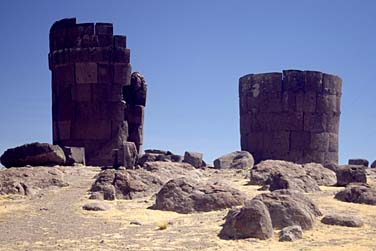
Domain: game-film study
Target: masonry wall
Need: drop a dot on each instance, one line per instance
(293, 115)
(91, 72)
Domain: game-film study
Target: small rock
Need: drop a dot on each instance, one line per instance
(359, 162)
(134, 222)
(342, 220)
(290, 233)
(193, 158)
(94, 206)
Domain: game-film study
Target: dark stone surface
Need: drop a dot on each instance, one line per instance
(34, 154)
(234, 160)
(251, 221)
(357, 193)
(373, 165)
(361, 162)
(342, 220)
(74, 155)
(347, 174)
(193, 158)
(291, 233)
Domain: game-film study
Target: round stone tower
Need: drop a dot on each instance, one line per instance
(91, 78)
(293, 115)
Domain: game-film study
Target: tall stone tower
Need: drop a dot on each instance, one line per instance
(293, 115)
(96, 103)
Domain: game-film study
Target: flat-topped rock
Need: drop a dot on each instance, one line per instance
(235, 160)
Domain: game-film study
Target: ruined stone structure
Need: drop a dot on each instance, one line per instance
(293, 115)
(96, 102)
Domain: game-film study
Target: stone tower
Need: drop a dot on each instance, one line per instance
(96, 102)
(293, 115)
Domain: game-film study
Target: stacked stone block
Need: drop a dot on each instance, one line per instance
(91, 71)
(293, 115)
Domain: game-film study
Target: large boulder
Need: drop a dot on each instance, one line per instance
(251, 221)
(322, 175)
(342, 220)
(34, 154)
(347, 174)
(30, 180)
(235, 160)
(359, 162)
(288, 208)
(303, 184)
(185, 195)
(357, 193)
(124, 184)
(193, 158)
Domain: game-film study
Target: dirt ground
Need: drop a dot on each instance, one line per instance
(54, 220)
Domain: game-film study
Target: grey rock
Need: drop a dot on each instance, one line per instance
(342, 220)
(185, 195)
(357, 193)
(235, 160)
(291, 233)
(95, 206)
(74, 155)
(322, 175)
(126, 156)
(251, 221)
(34, 154)
(373, 165)
(360, 162)
(288, 208)
(193, 158)
(304, 184)
(347, 174)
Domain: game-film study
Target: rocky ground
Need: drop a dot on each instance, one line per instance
(53, 219)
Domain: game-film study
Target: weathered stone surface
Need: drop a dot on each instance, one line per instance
(357, 193)
(128, 184)
(322, 175)
(135, 93)
(288, 208)
(291, 233)
(126, 156)
(235, 160)
(95, 206)
(184, 195)
(350, 174)
(159, 155)
(342, 220)
(373, 165)
(74, 155)
(30, 180)
(193, 158)
(361, 162)
(251, 221)
(303, 184)
(34, 154)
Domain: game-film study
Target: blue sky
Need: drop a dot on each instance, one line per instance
(192, 54)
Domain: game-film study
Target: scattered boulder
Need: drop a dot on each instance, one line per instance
(251, 221)
(95, 206)
(347, 174)
(373, 165)
(291, 233)
(193, 158)
(359, 162)
(74, 155)
(30, 180)
(152, 155)
(322, 175)
(357, 193)
(34, 154)
(304, 184)
(185, 195)
(342, 220)
(288, 208)
(124, 184)
(235, 160)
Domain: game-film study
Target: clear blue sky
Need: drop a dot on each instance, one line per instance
(192, 54)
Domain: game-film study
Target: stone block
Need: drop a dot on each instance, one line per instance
(332, 85)
(104, 29)
(359, 162)
(255, 142)
(293, 80)
(320, 142)
(89, 41)
(135, 134)
(91, 130)
(314, 156)
(119, 131)
(310, 102)
(120, 41)
(61, 130)
(289, 101)
(127, 155)
(86, 73)
(81, 93)
(271, 104)
(244, 141)
(296, 156)
(63, 74)
(333, 142)
(332, 122)
(278, 141)
(121, 55)
(315, 123)
(295, 121)
(74, 155)
(245, 123)
(313, 81)
(105, 40)
(299, 101)
(134, 114)
(105, 73)
(270, 84)
(299, 140)
(115, 110)
(122, 74)
(327, 104)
